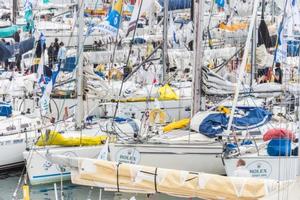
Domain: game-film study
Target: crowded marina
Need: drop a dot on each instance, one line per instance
(149, 99)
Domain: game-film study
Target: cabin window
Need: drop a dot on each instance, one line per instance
(11, 128)
(18, 141)
(24, 125)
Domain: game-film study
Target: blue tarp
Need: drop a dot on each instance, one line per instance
(8, 51)
(5, 109)
(177, 4)
(216, 123)
(70, 64)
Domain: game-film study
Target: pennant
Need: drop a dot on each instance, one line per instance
(47, 84)
(103, 155)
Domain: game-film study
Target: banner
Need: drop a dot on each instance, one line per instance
(281, 52)
(47, 84)
(112, 24)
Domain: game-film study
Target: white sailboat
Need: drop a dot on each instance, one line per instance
(271, 158)
(39, 169)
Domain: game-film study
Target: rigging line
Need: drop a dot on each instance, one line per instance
(209, 20)
(144, 62)
(281, 26)
(127, 62)
(81, 50)
(278, 35)
(15, 194)
(218, 68)
(74, 71)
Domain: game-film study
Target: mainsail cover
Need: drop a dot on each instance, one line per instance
(213, 123)
(129, 178)
(8, 31)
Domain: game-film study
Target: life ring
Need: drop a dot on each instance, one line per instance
(157, 113)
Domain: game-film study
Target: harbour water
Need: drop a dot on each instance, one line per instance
(9, 182)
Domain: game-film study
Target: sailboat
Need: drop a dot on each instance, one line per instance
(209, 150)
(41, 171)
(275, 157)
(139, 179)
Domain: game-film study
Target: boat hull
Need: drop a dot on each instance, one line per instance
(11, 148)
(41, 171)
(266, 167)
(189, 157)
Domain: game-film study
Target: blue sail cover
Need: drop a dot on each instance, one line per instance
(216, 123)
(5, 109)
(177, 4)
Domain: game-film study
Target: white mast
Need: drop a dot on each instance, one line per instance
(198, 55)
(14, 11)
(151, 17)
(243, 64)
(79, 72)
(165, 40)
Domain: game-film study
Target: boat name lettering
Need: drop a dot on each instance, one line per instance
(260, 168)
(128, 155)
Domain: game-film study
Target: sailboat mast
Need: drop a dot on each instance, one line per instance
(253, 53)
(241, 68)
(165, 40)
(79, 72)
(198, 55)
(298, 120)
(14, 11)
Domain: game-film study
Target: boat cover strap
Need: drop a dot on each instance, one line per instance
(155, 180)
(118, 184)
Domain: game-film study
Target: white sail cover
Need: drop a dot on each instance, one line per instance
(143, 179)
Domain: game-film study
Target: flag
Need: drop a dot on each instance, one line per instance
(220, 3)
(113, 21)
(46, 87)
(103, 155)
(146, 6)
(28, 11)
(28, 15)
(40, 69)
(281, 52)
(45, 100)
